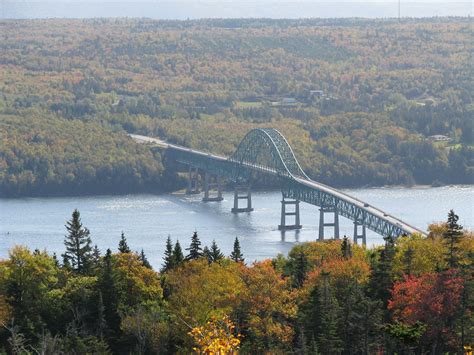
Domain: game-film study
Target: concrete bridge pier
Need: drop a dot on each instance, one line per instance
(296, 212)
(242, 192)
(193, 181)
(209, 184)
(358, 236)
(323, 224)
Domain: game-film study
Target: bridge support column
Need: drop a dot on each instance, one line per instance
(242, 193)
(358, 236)
(323, 224)
(284, 213)
(209, 185)
(193, 181)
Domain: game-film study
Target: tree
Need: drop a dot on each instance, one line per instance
(195, 250)
(328, 338)
(218, 336)
(346, 248)
(236, 254)
(300, 268)
(215, 253)
(206, 253)
(453, 236)
(78, 245)
(144, 260)
(110, 297)
(168, 258)
(123, 246)
(178, 256)
(381, 279)
(432, 299)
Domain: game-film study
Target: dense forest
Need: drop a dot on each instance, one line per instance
(359, 100)
(414, 295)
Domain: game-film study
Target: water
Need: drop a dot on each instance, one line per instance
(189, 9)
(148, 219)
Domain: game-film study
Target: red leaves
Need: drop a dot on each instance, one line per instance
(432, 299)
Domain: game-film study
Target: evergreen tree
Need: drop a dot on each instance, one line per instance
(96, 256)
(381, 279)
(78, 245)
(215, 253)
(453, 236)
(300, 268)
(328, 338)
(123, 246)
(236, 254)
(109, 293)
(195, 250)
(206, 253)
(346, 248)
(168, 258)
(178, 256)
(144, 260)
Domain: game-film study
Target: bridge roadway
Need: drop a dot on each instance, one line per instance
(398, 225)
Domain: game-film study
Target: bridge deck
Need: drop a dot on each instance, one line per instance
(307, 183)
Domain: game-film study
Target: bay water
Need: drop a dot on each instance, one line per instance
(148, 219)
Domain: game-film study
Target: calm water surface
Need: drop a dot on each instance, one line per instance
(148, 219)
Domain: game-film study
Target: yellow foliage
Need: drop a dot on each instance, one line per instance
(216, 337)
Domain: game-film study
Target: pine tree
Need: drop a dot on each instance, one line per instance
(346, 248)
(236, 254)
(453, 236)
(168, 258)
(381, 279)
(328, 338)
(96, 255)
(144, 260)
(215, 253)
(195, 250)
(123, 246)
(178, 256)
(206, 253)
(78, 245)
(109, 292)
(300, 268)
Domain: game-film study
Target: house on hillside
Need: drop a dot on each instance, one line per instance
(439, 138)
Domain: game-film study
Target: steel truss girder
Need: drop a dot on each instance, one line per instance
(295, 190)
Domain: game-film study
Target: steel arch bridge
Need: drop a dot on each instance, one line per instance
(265, 151)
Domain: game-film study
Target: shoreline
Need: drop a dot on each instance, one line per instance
(181, 191)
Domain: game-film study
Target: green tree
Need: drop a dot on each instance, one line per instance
(300, 267)
(195, 250)
(346, 248)
(236, 254)
(78, 245)
(328, 338)
(168, 263)
(123, 246)
(178, 256)
(453, 236)
(110, 297)
(144, 260)
(215, 253)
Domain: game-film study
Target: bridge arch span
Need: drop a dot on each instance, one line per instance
(272, 144)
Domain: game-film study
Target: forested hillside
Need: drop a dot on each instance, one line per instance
(357, 99)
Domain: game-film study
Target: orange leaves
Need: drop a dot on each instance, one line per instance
(216, 337)
(430, 298)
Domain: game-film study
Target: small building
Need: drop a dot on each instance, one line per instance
(317, 93)
(439, 138)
